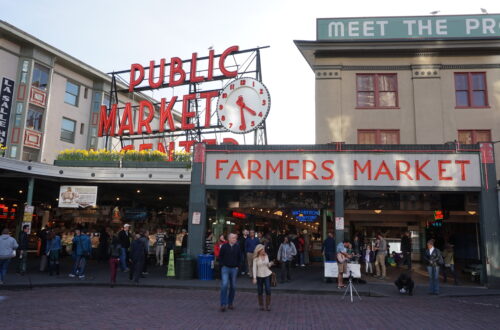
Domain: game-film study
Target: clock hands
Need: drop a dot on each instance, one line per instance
(242, 105)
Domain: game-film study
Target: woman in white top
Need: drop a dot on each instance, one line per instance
(262, 276)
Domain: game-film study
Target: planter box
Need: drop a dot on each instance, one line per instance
(159, 164)
(86, 163)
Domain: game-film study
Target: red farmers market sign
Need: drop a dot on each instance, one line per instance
(359, 169)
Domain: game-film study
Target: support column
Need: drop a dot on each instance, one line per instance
(31, 187)
(197, 204)
(489, 221)
(339, 212)
(324, 231)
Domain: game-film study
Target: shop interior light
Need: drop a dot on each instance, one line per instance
(117, 198)
(377, 211)
(1, 198)
(160, 198)
(138, 191)
(214, 223)
(20, 191)
(57, 199)
(471, 212)
(278, 213)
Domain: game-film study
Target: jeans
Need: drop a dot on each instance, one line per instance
(369, 268)
(123, 259)
(137, 267)
(160, 250)
(79, 266)
(228, 275)
(54, 262)
(4, 264)
(380, 264)
(243, 265)
(301, 258)
(23, 261)
(285, 271)
(451, 270)
(264, 283)
(433, 279)
(406, 259)
(250, 264)
(113, 267)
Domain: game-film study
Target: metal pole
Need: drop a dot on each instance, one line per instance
(31, 187)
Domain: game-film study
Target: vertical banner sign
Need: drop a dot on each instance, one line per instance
(5, 104)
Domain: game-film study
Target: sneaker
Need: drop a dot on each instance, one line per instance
(302, 265)
(81, 277)
(1, 282)
(126, 270)
(145, 273)
(72, 275)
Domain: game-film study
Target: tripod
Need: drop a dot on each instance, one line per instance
(350, 288)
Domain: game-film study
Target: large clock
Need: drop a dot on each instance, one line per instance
(243, 105)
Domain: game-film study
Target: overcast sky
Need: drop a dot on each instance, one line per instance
(110, 35)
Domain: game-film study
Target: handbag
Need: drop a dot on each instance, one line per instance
(341, 258)
(274, 281)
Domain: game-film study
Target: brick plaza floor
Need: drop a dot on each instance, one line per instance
(162, 308)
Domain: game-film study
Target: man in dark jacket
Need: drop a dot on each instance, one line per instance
(230, 259)
(405, 284)
(23, 249)
(433, 259)
(329, 248)
(406, 249)
(124, 240)
(137, 257)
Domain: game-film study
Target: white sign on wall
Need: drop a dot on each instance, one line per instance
(343, 169)
(77, 196)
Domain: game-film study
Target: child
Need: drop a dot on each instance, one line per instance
(368, 258)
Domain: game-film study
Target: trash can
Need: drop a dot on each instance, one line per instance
(184, 268)
(206, 267)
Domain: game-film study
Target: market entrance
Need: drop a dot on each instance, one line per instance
(450, 218)
(342, 170)
(273, 215)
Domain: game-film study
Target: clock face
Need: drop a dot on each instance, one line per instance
(243, 105)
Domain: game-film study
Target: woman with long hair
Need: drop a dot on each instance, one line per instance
(262, 276)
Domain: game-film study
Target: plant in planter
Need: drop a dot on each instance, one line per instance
(2, 150)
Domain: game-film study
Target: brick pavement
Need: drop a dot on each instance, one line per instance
(159, 308)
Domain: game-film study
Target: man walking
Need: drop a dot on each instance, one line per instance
(229, 258)
(380, 253)
(406, 249)
(138, 257)
(242, 240)
(124, 240)
(23, 249)
(250, 244)
(83, 248)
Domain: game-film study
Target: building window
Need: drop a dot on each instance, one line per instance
(470, 90)
(68, 127)
(474, 136)
(82, 128)
(72, 92)
(34, 118)
(40, 76)
(376, 91)
(378, 136)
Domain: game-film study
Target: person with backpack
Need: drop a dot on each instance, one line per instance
(433, 260)
(82, 250)
(8, 246)
(53, 252)
(114, 258)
